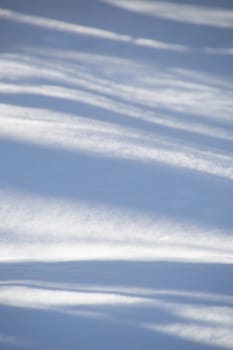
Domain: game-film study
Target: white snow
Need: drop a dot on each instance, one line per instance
(116, 169)
(215, 16)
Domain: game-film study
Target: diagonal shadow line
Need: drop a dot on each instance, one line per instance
(150, 340)
(112, 94)
(176, 59)
(121, 50)
(140, 316)
(177, 11)
(206, 278)
(126, 16)
(71, 28)
(119, 118)
(54, 173)
(185, 297)
(74, 327)
(120, 144)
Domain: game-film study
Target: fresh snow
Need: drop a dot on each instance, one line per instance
(116, 192)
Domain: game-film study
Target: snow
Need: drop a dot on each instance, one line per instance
(116, 195)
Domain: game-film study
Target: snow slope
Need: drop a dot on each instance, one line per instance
(116, 193)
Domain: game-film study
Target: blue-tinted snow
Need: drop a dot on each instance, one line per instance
(116, 196)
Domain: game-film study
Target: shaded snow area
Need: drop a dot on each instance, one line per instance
(116, 174)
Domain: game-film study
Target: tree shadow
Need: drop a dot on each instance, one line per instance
(155, 294)
(104, 16)
(153, 188)
(194, 138)
(116, 304)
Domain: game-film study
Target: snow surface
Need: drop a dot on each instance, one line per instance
(116, 156)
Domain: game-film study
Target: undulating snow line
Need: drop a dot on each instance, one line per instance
(189, 13)
(71, 28)
(203, 323)
(144, 292)
(118, 69)
(185, 94)
(26, 294)
(123, 109)
(165, 99)
(63, 131)
(41, 229)
(72, 250)
(202, 334)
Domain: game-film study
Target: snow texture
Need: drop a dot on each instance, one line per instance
(116, 174)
